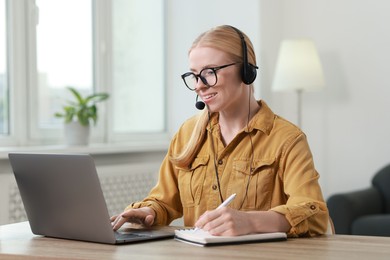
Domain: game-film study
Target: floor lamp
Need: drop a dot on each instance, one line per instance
(299, 69)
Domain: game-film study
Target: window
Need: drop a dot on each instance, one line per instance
(64, 55)
(112, 46)
(138, 66)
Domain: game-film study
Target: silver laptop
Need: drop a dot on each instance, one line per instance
(63, 198)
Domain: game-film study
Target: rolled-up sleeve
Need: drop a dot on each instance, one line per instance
(305, 208)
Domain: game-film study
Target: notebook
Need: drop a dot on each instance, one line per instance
(63, 198)
(200, 237)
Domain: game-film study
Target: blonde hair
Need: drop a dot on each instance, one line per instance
(226, 39)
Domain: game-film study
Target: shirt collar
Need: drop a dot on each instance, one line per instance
(262, 121)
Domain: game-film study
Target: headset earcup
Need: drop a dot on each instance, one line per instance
(248, 73)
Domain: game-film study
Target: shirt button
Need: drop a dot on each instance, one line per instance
(220, 162)
(312, 207)
(214, 187)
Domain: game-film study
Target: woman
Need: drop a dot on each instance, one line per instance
(237, 145)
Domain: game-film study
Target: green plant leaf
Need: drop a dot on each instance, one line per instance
(82, 109)
(77, 95)
(95, 98)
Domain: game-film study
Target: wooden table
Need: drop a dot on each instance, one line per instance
(17, 242)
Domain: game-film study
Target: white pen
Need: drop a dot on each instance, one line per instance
(227, 201)
(223, 204)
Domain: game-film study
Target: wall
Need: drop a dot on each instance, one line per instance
(347, 123)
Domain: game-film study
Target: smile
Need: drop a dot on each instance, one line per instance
(208, 96)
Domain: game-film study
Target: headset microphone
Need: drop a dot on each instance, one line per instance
(199, 104)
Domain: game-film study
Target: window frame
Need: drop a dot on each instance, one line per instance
(6, 71)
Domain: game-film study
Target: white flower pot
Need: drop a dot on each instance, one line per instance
(76, 134)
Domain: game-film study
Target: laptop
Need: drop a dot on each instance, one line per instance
(62, 196)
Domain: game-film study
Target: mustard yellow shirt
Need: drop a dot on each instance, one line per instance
(283, 178)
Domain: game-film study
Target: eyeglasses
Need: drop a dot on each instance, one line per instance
(207, 75)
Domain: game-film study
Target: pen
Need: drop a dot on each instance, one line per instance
(223, 204)
(227, 201)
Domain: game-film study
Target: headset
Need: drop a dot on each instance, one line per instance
(248, 71)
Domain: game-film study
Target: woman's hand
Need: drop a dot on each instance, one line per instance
(143, 216)
(231, 222)
(225, 222)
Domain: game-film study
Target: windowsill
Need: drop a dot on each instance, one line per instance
(93, 149)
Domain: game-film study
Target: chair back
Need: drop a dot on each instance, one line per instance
(381, 181)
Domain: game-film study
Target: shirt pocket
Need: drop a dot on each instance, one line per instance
(253, 189)
(191, 182)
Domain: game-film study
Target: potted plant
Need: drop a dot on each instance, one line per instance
(78, 115)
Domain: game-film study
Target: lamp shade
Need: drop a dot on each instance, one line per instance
(298, 67)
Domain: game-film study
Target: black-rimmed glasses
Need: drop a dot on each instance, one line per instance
(207, 75)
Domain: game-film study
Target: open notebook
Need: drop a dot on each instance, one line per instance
(202, 238)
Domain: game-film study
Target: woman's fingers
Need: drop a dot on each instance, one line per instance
(143, 216)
